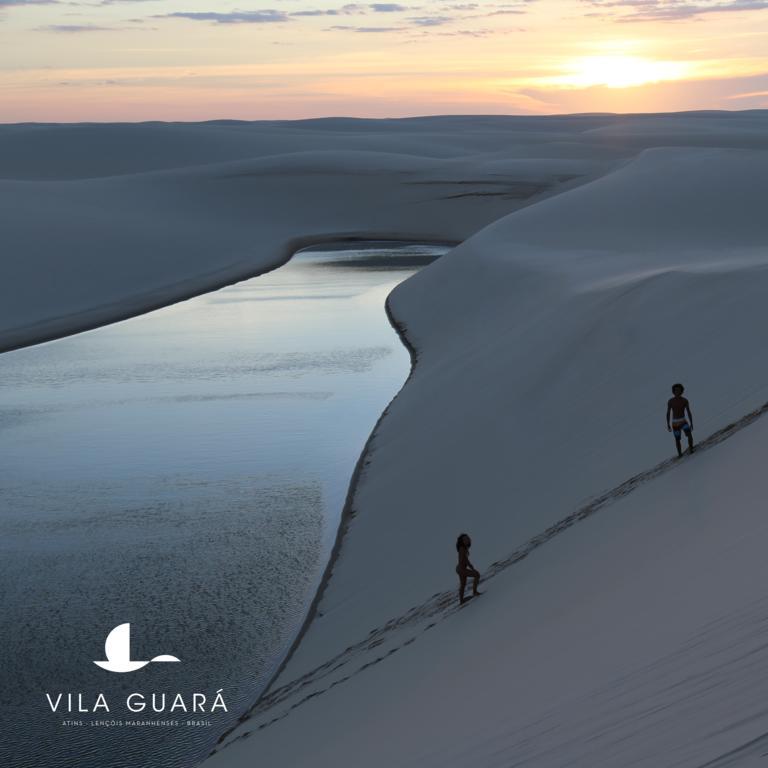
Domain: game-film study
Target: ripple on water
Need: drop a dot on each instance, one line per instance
(183, 471)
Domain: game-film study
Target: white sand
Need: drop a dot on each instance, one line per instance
(547, 343)
(85, 242)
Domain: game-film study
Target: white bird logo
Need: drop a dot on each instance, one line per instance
(117, 648)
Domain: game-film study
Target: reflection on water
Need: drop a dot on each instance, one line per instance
(183, 471)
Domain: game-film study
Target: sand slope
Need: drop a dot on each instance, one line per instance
(546, 346)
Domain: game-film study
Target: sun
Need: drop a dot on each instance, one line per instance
(619, 71)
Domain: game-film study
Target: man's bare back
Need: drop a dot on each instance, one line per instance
(679, 409)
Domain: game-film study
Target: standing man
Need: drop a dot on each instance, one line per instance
(679, 409)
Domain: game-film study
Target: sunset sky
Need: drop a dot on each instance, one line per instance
(62, 60)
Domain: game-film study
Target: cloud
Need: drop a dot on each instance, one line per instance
(270, 16)
(430, 21)
(365, 29)
(673, 10)
(684, 94)
(328, 12)
(230, 17)
(75, 28)
(16, 3)
(411, 23)
(345, 10)
(750, 95)
(475, 32)
(504, 12)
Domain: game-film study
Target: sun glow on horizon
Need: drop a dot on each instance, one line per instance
(188, 60)
(620, 71)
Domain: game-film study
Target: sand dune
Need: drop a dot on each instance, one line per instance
(546, 344)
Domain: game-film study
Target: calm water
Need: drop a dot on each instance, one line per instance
(183, 471)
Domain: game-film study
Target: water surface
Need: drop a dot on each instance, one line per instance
(183, 471)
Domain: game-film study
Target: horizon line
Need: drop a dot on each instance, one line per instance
(389, 119)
